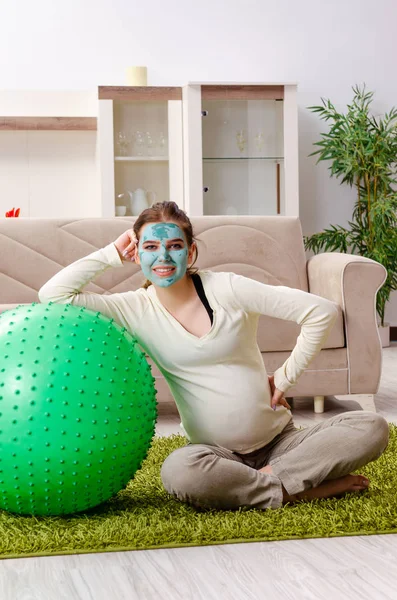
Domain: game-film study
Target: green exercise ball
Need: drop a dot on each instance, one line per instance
(77, 409)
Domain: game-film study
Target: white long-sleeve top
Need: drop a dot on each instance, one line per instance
(218, 381)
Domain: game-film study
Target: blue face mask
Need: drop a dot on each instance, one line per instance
(168, 248)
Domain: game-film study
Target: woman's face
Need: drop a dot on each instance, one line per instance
(163, 253)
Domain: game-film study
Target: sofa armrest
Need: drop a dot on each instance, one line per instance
(353, 282)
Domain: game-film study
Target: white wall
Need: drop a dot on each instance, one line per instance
(325, 46)
(49, 173)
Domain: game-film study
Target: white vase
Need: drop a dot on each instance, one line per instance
(384, 333)
(139, 200)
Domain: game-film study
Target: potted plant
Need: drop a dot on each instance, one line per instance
(362, 149)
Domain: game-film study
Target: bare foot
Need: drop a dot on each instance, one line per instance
(336, 487)
(327, 489)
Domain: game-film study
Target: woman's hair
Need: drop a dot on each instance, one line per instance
(167, 212)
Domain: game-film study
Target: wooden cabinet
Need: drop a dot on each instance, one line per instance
(140, 147)
(213, 148)
(241, 149)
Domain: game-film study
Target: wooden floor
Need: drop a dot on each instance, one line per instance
(362, 568)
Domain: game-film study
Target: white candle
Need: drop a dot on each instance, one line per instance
(137, 76)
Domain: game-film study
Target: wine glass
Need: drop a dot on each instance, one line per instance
(149, 143)
(162, 144)
(259, 141)
(122, 142)
(241, 140)
(139, 143)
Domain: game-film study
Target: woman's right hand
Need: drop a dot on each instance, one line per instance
(277, 395)
(126, 244)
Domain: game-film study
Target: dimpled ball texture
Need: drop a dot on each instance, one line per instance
(77, 409)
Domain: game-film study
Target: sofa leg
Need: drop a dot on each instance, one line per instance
(366, 401)
(318, 404)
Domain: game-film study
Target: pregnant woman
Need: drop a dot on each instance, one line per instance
(199, 327)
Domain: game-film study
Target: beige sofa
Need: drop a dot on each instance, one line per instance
(269, 249)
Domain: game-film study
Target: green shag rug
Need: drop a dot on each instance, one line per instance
(144, 516)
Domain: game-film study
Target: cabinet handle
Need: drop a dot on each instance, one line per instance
(205, 189)
(204, 113)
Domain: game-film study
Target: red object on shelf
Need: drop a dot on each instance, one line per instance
(13, 212)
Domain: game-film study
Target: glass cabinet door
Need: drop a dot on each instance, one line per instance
(141, 154)
(243, 152)
(147, 146)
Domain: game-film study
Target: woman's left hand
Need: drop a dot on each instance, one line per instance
(277, 395)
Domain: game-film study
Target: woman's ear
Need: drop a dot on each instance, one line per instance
(136, 256)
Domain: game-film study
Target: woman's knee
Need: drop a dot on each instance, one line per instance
(381, 429)
(377, 434)
(180, 472)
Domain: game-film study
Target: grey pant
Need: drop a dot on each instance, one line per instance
(214, 477)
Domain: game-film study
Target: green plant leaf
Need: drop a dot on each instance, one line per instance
(361, 149)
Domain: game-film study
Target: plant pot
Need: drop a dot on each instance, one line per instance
(384, 333)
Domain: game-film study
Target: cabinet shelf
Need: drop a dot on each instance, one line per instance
(48, 123)
(141, 158)
(213, 158)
